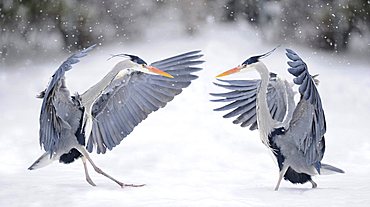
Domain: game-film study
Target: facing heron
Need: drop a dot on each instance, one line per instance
(108, 111)
(294, 133)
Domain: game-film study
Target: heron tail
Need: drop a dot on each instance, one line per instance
(42, 161)
(328, 169)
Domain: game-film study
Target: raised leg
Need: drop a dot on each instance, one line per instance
(88, 179)
(281, 175)
(98, 170)
(314, 185)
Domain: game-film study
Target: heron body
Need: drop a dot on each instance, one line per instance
(283, 141)
(294, 133)
(100, 118)
(70, 115)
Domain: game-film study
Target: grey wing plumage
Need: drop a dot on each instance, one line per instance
(131, 98)
(50, 122)
(243, 100)
(309, 118)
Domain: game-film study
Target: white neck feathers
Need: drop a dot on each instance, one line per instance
(264, 118)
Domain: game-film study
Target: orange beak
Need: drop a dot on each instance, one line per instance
(228, 72)
(159, 72)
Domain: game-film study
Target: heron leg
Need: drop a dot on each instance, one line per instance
(281, 175)
(98, 170)
(314, 185)
(88, 179)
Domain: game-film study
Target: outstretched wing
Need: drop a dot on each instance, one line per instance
(131, 98)
(243, 100)
(50, 122)
(308, 124)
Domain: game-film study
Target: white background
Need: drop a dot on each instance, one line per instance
(187, 154)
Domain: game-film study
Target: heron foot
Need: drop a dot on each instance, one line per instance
(130, 185)
(100, 171)
(90, 181)
(314, 185)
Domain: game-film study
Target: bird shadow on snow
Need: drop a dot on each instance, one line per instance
(101, 186)
(269, 190)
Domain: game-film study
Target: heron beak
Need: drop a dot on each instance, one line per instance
(157, 71)
(228, 72)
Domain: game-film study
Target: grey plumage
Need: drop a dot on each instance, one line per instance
(108, 111)
(131, 98)
(310, 142)
(295, 134)
(57, 105)
(243, 97)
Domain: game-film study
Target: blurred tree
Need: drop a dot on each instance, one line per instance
(248, 9)
(326, 24)
(44, 25)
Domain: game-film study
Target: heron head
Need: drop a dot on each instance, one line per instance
(135, 59)
(247, 65)
(142, 66)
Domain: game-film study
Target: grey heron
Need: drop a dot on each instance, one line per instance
(108, 111)
(294, 133)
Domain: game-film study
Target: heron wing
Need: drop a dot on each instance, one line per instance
(241, 100)
(50, 122)
(308, 124)
(131, 98)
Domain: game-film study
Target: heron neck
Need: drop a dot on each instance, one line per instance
(95, 91)
(264, 118)
(264, 74)
(91, 95)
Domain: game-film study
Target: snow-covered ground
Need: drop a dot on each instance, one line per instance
(187, 154)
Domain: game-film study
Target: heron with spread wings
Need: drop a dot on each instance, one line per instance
(108, 111)
(294, 133)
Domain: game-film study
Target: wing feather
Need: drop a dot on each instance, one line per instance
(178, 58)
(51, 124)
(100, 141)
(137, 95)
(252, 119)
(144, 100)
(106, 133)
(246, 116)
(141, 104)
(308, 121)
(242, 110)
(242, 100)
(187, 71)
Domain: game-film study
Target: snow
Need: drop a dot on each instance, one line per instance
(187, 154)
